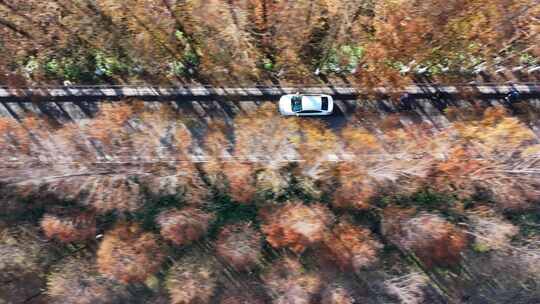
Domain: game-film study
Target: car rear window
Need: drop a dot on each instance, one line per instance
(296, 103)
(324, 103)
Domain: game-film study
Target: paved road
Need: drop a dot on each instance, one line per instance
(207, 93)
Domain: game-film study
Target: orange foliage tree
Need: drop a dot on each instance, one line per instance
(289, 282)
(128, 254)
(113, 193)
(247, 292)
(297, 226)
(351, 247)
(192, 279)
(413, 34)
(109, 125)
(265, 135)
(431, 238)
(494, 154)
(354, 187)
(14, 138)
(241, 181)
(228, 40)
(240, 245)
(77, 281)
(183, 226)
(69, 228)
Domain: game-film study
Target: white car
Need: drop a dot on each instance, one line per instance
(306, 105)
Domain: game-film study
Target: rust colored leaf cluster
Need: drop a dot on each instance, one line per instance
(351, 247)
(128, 254)
(183, 226)
(77, 281)
(355, 187)
(192, 279)
(69, 228)
(241, 181)
(297, 226)
(289, 282)
(240, 246)
(431, 238)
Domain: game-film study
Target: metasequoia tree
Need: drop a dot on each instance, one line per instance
(162, 140)
(21, 251)
(413, 34)
(192, 279)
(183, 226)
(407, 288)
(396, 153)
(240, 246)
(490, 230)
(496, 135)
(77, 281)
(288, 282)
(316, 146)
(69, 227)
(117, 192)
(266, 135)
(335, 294)
(492, 153)
(316, 141)
(217, 147)
(25, 30)
(458, 172)
(297, 226)
(226, 36)
(241, 181)
(28, 138)
(23, 258)
(272, 179)
(150, 28)
(217, 144)
(109, 126)
(14, 139)
(431, 238)
(262, 135)
(176, 178)
(354, 187)
(400, 156)
(245, 293)
(351, 247)
(128, 254)
(308, 22)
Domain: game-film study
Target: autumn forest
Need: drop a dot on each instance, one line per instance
(433, 200)
(364, 42)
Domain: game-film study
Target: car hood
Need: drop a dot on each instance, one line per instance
(285, 105)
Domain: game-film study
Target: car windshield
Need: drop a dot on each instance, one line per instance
(296, 101)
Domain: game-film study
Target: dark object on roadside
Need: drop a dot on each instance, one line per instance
(405, 98)
(512, 96)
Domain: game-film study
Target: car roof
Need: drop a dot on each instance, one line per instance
(311, 102)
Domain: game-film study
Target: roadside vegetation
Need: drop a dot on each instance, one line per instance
(116, 209)
(140, 203)
(366, 42)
